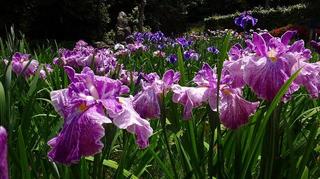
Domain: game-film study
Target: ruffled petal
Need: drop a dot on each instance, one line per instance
(309, 77)
(146, 103)
(60, 101)
(234, 110)
(265, 77)
(189, 97)
(80, 136)
(130, 120)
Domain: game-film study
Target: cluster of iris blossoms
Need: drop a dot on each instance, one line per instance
(90, 100)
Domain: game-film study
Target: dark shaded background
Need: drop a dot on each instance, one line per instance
(91, 19)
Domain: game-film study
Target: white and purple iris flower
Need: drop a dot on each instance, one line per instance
(87, 103)
(22, 65)
(147, 102)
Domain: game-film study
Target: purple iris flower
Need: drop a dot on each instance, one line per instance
(3, 153)
(213, 50)
(172, 58)
(22, 63)
(234, 110)
(191, 55)
(147, 102)
(244, 19)
(183, 42)
(84, 105)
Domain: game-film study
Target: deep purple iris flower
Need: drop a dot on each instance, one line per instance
(234, 110)
(3, 153)
(191, 55)
(213, 50)
(22, 63)
(85, 105)
(245, 19)
(184, 42)
(147, 102)
(172, 58)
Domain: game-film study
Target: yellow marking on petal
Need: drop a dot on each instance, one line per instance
(272, 54)
(83, 107)
(227, 92)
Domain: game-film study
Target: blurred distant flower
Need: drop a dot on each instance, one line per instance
(22, 63)
(3, 153)
(172, 58)
(46, 69)
(159, 53)
(244, 19)
(136, 46)
(316, 46)
(119, 46)
(213, 50)
(183, 42)
(191, 55)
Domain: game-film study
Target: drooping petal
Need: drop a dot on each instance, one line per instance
(234, 71)
(60, 101)
(309, 77)
(265, 77)
(146, 103)
(130, 120)
(3, 154)
(189, 97)
(234, 110)
(80, 136)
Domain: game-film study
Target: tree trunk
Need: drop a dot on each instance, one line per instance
(141, 7)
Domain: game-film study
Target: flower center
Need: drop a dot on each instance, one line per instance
(226, 91)
(83, 107)
(272, 55)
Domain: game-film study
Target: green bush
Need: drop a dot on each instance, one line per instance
(267, 18)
